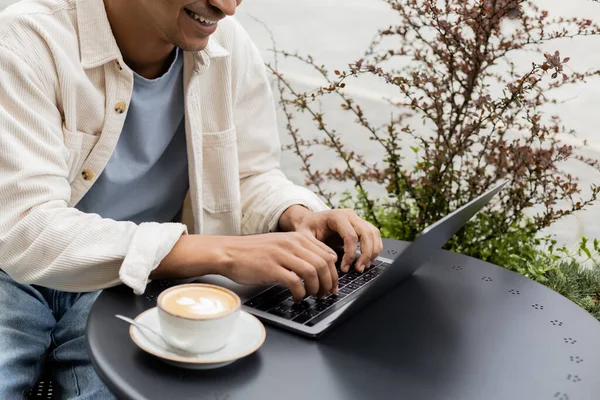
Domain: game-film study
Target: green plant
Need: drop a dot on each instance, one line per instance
(576, 275)
(483, 121)
(457, 51)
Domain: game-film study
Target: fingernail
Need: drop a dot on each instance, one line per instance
(360, 268)
(368, 265)
(335, 290)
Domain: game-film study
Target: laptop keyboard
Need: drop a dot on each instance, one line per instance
(277, 300)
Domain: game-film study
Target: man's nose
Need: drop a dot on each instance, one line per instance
(226, 6)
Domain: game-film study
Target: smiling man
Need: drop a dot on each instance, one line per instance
(112, 114)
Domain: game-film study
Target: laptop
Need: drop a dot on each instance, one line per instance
(313, 317)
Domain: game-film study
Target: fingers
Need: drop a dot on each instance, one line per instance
(341, 224)
(334, 275)
(292, 281)
(304, 265)
(310, 264)
(324, 252)
(379, 246)
(367, 241)
(352, 229)
(323, 262)
(371, 244)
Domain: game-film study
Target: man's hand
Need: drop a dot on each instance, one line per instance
(286, 258)
(349, 226)
(297, 259)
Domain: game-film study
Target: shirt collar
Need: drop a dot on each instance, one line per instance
(98, 45)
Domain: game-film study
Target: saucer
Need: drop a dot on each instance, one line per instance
(247, 337)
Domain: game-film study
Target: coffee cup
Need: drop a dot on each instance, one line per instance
(197, 317)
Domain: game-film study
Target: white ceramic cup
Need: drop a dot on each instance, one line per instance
(202, 333)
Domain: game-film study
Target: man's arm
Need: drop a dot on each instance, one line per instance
(42, 240)
(265, 191)
(269, 200)
(292, 218)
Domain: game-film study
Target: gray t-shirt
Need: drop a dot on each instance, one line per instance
(146, 179)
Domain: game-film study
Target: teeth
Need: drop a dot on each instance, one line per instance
(201, 19)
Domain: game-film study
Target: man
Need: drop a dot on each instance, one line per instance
(110, 113)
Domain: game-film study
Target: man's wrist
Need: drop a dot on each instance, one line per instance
(292, 218)
(194, 255)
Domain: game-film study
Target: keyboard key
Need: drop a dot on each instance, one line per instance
(315, 320)
(302, 318)
(335, 298)
(287, 304)
(259, 299)
(339, 304)
(252, 303)
(283, 312)
(345, 280)
(266, 306)
(312, 312)
(321, 306)
(272, 291)
(354, 274)
(306, 316)
(285, 294)
(372, 274)
(302, 306)
(353, 286)
(311, 301)
(271, 302)
(359, 283)
(330, 300)
(362, 280)
(346, 290)
(282, 297)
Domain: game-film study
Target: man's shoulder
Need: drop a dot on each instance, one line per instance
(34, 22)
(231, 35)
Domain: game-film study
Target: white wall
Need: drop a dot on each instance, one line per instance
(6, 3)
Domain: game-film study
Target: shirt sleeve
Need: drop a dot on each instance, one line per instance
(265, 191)
(42, 240)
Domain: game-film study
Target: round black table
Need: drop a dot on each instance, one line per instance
(457, 329)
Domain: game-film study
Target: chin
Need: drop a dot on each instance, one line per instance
(193, 45)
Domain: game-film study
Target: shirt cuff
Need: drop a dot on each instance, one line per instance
(299, 196)
(151, 243)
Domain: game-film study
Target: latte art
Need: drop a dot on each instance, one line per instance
(197, 301)
(201, 305)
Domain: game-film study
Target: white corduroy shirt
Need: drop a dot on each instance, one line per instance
(64, 94)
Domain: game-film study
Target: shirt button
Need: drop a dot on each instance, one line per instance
(120, 107)
(87, 174)
(119, 66)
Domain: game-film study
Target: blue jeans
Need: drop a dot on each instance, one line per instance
(44, 330)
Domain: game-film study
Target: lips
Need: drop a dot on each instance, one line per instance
(201, 18)
(204, 25)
